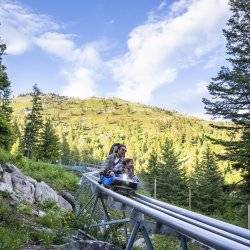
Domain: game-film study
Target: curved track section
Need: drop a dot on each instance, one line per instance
(208, 231)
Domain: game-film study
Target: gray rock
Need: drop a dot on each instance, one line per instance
(33, 181)
(10, 168)
(23, 188)
(44, 193)
(38, 213)
(140, 243)
(65, 205)
(69, 198)
(6, 182)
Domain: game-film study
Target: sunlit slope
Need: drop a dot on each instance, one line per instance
(92, 125)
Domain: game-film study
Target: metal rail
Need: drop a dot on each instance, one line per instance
(242, 232)
(198, 223)
(208, 231)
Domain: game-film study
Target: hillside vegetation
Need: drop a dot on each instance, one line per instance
(91, 126)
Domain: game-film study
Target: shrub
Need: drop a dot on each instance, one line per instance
(12, 238)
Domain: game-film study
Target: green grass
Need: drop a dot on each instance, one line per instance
(10, 239)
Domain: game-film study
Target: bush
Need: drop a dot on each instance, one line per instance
(25, 209)
(43, 238)
(7, 213)
(12, 238)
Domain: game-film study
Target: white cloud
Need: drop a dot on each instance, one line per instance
(85, 61)
(23, 29)
(58, 44)
(81, 83)
(187, 94)
(19, 26)
(201, 88)
(158, 50)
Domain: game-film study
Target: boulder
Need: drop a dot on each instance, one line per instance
(65, 205)
(5, 182)
(44, 193)
(23, 188)
(10, 168)
(70, 198)
(33, 181)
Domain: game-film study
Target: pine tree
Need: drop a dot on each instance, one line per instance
(66, 153)
(33, 126)
(49, 149)
(152, 172)
(207, 185)
(170, 177)
(75, 156)
(230, 89)
(5, 107)
(171, 180)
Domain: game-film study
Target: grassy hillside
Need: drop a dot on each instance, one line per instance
(92, 125)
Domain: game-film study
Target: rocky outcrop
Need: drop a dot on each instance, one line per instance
(24, 188)
(45, 192)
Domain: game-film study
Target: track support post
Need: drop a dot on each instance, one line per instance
(183, 240)
(138, 224)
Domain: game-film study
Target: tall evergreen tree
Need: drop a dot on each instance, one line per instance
(75, 156)
(49, 149)
(33, 125)
(207, 185)
(5, 107)
(152, 172)
(230, 89)
(66, 153)
(170, 177)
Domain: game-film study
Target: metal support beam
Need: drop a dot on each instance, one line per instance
(183, 240)
(125, 226)
(133, 235)
(104, 208)
(146, 237)
(139, 226)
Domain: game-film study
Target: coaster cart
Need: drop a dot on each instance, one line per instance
(121, 184)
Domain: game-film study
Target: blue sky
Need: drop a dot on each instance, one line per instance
(161, 53)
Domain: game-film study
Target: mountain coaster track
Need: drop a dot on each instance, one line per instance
(210, 232)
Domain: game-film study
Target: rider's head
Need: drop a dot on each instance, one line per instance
(114, 148)
(128, 162)
(122, 150)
